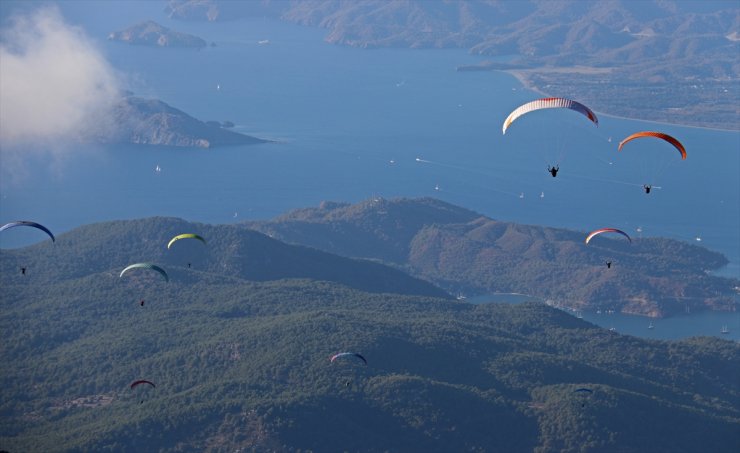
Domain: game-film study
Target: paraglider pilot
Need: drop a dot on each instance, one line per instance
(142, 302)
(608, 264)
(553, 170)
(23, 270)
(647, 188)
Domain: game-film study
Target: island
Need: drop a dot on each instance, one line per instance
(153, 122)
(150, 33)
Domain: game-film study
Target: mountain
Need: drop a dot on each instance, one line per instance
(153, 122)
(150, 33)
(612, 55)
(232, 252)
(240, 361)
(463, 251)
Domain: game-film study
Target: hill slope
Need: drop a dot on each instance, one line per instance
(239, 357)
(465, 252)
(231, 254)
(245, 365)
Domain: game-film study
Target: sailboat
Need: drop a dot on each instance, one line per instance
(725, 329)
(651, 326)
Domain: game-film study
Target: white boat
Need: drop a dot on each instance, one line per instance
(724, 329)
(651, 326)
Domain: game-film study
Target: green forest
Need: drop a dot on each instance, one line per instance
(465, 252)
(238, 344)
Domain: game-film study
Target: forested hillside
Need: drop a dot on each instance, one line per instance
(466, 252)
(239, 360)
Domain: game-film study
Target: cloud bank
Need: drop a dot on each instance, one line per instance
(55, 86)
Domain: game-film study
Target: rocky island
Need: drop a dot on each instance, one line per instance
(150, 33)
(153, 122)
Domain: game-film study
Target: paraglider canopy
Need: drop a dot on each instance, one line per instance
(30, 224)
(606, 230)
(659, 135)
(151, 266)
(185, 236)
(549, 103)
(142, 381)
(347, 355)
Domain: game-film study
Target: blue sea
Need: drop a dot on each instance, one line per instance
(707, 323)
(349, 124)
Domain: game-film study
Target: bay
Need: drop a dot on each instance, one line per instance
(351, 124)
(707, 323)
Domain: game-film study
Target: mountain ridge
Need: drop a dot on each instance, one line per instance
(470, 253)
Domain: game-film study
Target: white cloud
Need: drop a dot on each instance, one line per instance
(55, 86)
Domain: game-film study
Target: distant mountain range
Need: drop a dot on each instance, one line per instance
(660, 60)
(238, 342)
(465, 252)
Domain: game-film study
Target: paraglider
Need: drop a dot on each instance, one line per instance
(606, 230)
(185, 236)
(348, 355)
(147, 384)
(583, 392)
(151, 266)
(549, 103)
(30, 224)
(659, 135)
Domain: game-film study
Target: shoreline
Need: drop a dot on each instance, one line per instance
(520, 76)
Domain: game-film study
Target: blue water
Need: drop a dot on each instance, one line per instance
(339, 116)
(707, 323)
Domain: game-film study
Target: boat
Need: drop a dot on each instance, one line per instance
(724, 329)
(651, 326)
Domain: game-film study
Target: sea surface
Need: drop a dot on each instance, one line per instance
(350, 124)
(704, 324)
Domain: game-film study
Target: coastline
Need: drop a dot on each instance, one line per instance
(520, 75)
